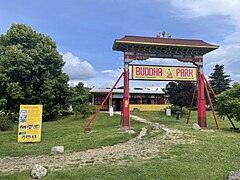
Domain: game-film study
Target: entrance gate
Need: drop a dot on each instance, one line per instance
(184, 50)
(143, 48)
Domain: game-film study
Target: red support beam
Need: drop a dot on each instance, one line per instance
(210, 87)
(210, 101)
(87, 129)
(190, 109)
(201, 100)
(126, 104)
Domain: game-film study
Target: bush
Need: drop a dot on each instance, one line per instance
(5, 123)
(136, 110)
(174, 109)
(228, 102)
(85, 109)
(66, 113)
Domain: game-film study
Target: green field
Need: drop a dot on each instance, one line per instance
(212, 156)
(67, 131)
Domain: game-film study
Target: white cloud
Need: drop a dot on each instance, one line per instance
(226, 54)
(101, 82)
(112, 73)
(193, 8)
(77, 69)
(229, 52)
(73, 83)
(233, 38)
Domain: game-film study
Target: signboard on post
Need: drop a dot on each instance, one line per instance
(30, 123)
(164, 73)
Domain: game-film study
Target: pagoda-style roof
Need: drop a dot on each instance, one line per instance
(163, 47)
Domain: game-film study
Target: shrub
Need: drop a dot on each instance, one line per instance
(228, 102)
(136, 110)
(85, 109)
(66, 112)
(5, 123)
(174, 109)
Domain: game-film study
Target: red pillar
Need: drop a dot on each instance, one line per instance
(126, 103)
(201, 99)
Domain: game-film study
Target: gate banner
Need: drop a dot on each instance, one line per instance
(30, 123)
(164, 73)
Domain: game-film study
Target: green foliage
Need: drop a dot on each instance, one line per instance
(31, 71)
(229, 102)
(180, 93)
(80, 94)
(66, 112)
(136, 110)
(219, 80)
(183, 111)
(5, 123)
(120, 87)
(85, 109)
(80, 98)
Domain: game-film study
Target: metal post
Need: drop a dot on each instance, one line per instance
(126, 111)
(110, 102)
(201, 99)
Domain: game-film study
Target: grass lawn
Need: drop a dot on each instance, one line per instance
(68, 131)
(212, 156)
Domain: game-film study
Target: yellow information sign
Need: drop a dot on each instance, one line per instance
(164, 73)
(30, 123)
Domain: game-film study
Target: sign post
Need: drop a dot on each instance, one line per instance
(30, 123)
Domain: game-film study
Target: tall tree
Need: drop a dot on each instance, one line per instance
(180, 93)
(31, 71)
(219, 80)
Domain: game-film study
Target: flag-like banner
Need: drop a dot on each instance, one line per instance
(164, 73)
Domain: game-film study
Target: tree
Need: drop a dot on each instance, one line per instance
(180, 93)
(229, 102)
(120, 87)
(219, 80)
(31, 71)
(80, 99)
(80, 94)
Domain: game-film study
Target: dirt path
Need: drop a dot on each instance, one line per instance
(138, 147)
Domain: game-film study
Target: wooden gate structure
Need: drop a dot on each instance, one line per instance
(184, 50)
(143, 48)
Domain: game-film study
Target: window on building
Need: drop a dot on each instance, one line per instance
(134, 101)
(98, 99)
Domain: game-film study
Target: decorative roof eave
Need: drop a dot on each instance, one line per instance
(117, 42)
(161, 42)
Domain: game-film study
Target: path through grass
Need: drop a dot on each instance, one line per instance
(212, 156)
(68, 131)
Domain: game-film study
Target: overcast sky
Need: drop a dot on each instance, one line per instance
(85, 30)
